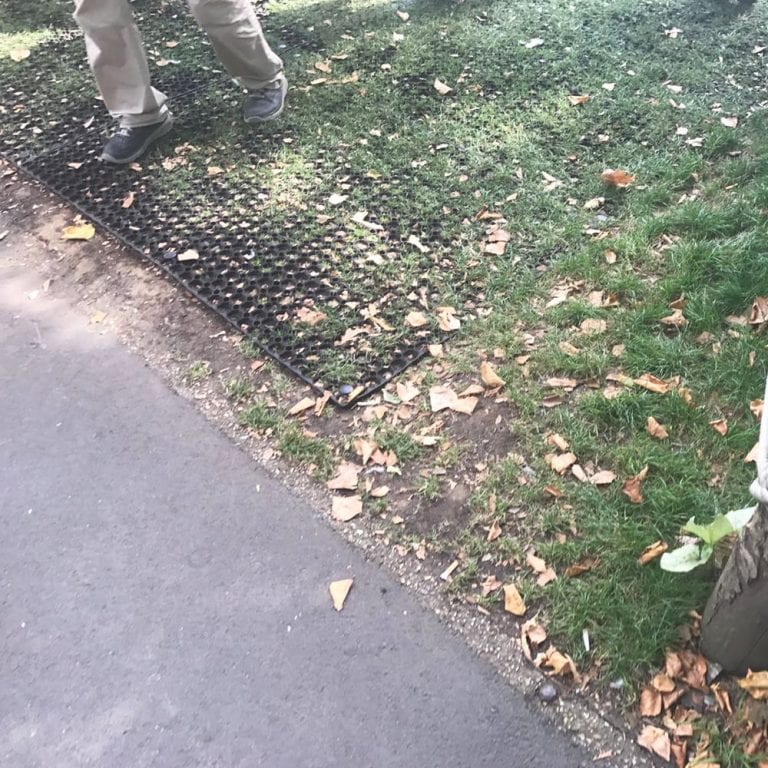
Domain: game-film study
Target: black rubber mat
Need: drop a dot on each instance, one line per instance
(305, 292)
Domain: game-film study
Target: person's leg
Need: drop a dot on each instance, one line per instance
(239, 42)
(119, 64)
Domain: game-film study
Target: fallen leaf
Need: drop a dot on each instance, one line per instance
(442, 397)
(729, 122)
(592, 325)
(756, 685)
(651, 552)
(654, 429)
(78, 232)
(605, 477)
(407, 391)
(489, 376)
(416, 243)
(652, 384)
(436, 350)
(559, 663)
(536, 563)
(558, 441)
(534, 42)
(442, 88)
(561, 462)
(491, 584)
(513, 601)
(632, 488)
(337, 199)
(346, 477)
(756, 406)
(447, 320)
(582, 567)
(404, 16)
(753, 454)
(673, 33)
(676, 319)
(546, 577)
(609, 86)
(720, 426)
(416, 320)
(189, 255)
(494, 531)
(344, 508)
(310, 316)
(610, 256)
(759, 312)
(323, 66)
(531, 635)
(129, 199)
(663, 683)
(577, 101)
(556, 382)
(380, 492)
(650, 703)
(339, 591)
(98, 317)
(303, 405)
(19, 54)
(365, 449)
(655, 740)
(215, 170)
(617, 178)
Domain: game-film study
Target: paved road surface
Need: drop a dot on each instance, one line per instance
(164, 603)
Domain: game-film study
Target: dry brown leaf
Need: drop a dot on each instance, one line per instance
(577, 101)
(310, 316)
(215, 170)
(447, 320)
(496, 248)
(442, 397)
(605, 477)
(128, 200)
(759, 312)
(78, 232)
(751, 457)
(654, 429)
(558, 441)
(346, 477)
(676, 319)
(663, 683)
(494, 531)
(189, 255)
(756, 685)
(436, 350)
(558, 382)
(407, 391)
(531, 635)
(513, 601)
(558, 663)
(578, 472)
(339, 591)
(560, 463)
(303, 405)
(617, 178)
(655, 740)
(756, 406)
(650, 703)
(729, 122)
(536, 563)
(546, 577)
(19, 54)
(491, 584)
(380, 492)
(582, 567)
(344, 508)
(632, 488)
(652, 384)
(416, 320)
(720, 426)
(442, 88)
(365, 449)
(651, 552)
(489, 376)
(593, 325)
(553, 491)
(723, 699)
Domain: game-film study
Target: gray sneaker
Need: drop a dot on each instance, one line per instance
(266, 104)
(130, 143)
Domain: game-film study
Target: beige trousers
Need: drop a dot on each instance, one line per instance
(119, 63)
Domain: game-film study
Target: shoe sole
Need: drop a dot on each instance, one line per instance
(162, 130)
(256, 120)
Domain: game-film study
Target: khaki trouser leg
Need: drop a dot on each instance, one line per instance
(119, 64)
(236, 35)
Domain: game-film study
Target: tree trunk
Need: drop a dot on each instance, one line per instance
(734, 630)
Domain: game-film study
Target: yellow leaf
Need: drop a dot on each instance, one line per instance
(513, 601)
(339, 591)
(78, 232)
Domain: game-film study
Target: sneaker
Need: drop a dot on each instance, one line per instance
(265, 104)
(131, 142)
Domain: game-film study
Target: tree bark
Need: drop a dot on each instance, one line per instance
(734, 630)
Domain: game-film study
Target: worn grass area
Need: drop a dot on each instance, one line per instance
(690, 231)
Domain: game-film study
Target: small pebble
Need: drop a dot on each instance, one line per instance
(548, 693)
(345, 389)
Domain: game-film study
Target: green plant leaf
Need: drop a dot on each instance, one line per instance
(685, 558)
(712, 532)
(738, 518)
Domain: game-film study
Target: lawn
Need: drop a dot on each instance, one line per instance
(576, 291)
